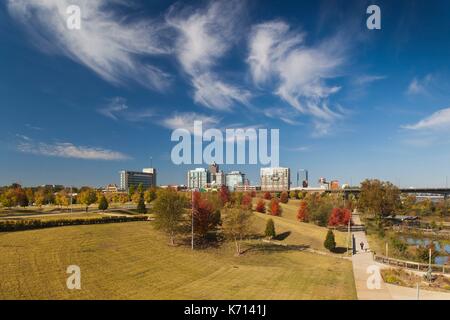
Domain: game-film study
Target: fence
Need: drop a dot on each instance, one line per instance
(411, 265)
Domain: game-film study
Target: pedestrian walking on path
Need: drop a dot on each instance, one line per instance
(362, 245)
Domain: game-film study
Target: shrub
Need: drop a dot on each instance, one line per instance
(103, 204)
(270, 229)
(330, 242)
(261, 206)
(293, 195)
(284, 197)
(19, 225)
(267, 195)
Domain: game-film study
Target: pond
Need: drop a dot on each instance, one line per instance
(440, 246)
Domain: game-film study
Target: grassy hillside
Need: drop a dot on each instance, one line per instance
(133, 261)
(292, 231)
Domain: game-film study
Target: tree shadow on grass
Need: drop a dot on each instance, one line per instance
(339, 250)
(282, 236)
(273, 248)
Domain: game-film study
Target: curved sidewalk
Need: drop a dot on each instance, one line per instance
(364, 259)
(361, 261)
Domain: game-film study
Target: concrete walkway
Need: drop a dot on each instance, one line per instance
(361, 261)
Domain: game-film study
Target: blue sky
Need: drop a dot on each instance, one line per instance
(351, 103)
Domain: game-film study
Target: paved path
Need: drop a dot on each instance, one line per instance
(404, 293)
(361, 261)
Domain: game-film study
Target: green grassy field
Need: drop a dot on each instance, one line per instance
(133, 261)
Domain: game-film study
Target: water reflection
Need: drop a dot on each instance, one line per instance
(440, 246)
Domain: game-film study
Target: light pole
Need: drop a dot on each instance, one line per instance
(192, 215)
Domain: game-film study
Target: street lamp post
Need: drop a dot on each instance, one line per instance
(192, 215)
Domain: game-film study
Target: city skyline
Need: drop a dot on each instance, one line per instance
(350, 103)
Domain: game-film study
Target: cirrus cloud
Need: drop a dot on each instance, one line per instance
(106, 43)
(436, 121)
(69, 150)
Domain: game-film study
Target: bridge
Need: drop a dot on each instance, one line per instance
(425, 191)
(347, 191)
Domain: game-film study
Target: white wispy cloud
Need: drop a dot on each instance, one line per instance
(107, 44)
(204, 36)
(366, 79)
(117, 108)
(297, 149)
(279, 56)
(419, 85)
(69, 150)
(185, 120)
(283, 114)
(437, 121)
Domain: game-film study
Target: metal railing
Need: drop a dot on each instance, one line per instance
(411, 265)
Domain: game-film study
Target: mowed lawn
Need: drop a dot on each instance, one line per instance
(299, 233)
(133, 261)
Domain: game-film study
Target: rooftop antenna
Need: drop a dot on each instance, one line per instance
(151, 162)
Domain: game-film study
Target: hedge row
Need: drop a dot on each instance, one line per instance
(19, 225)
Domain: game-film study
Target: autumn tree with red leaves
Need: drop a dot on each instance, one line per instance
(339, 217)
(284, 197)
(224, 195)
(204, 218)
(246, 201)
(261, 206)
(275, 208)
(267, 195)
(302, 213)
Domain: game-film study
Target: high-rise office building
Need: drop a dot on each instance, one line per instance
(134, 178)
(275, 179)
(213, 168)
(198, 178)
(216, 177)
(234, 178)
(302, 178)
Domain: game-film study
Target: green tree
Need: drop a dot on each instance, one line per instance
(270, 229)
(8, 199)
(62, 198)
(150, 195)
(103, 204)
(131, 191)
(236, 224)
(140, 188)
(330, 242)
(169, 208)
(379, 198)
(141, 204)
(87, 197)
